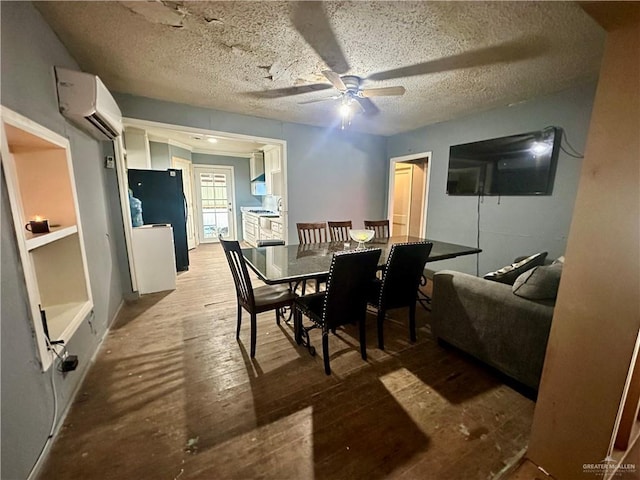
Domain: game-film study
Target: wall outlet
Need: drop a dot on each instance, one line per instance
(109, 162)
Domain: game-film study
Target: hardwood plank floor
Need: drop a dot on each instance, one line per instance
(172, 394)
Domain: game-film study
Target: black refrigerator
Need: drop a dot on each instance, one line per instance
(163, 201)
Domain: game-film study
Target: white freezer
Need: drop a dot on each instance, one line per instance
(154, 258)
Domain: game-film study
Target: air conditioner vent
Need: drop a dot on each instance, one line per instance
(84, 100)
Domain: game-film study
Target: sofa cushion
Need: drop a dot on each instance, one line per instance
(509, 273)
(539, 283)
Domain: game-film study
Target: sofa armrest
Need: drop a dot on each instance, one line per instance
(486, 320)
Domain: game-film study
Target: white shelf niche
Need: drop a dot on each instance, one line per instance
(40, 182)
(56, 233)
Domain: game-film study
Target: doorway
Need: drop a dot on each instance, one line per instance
(408, 193)
(185, 165)
(215, 194)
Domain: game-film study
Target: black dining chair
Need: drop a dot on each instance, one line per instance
(312, 232)
(380, 227)
(253, 300)
(339, 231)
(399, 284)
(344, 301)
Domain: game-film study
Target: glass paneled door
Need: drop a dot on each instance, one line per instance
(216, 205)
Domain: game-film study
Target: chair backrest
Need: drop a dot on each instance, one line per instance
(339, 231)
(238, 267)
(348, 284)
(402, 273)
(380, 227)
(312, 232)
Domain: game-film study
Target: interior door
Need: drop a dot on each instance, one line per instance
(186, 167)
(216, 203)
(402, 198)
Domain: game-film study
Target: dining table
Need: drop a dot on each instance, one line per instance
(296, 263)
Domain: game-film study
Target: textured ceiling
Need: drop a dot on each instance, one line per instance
(453, 58)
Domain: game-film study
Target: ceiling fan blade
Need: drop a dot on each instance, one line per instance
(289, 91)
(382, 92)
(310, 20)
(526, 47)
(333, 97)
(368, 107)
(335, 79)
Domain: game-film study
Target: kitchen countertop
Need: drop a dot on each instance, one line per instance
(260, 212)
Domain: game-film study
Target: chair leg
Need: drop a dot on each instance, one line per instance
(317, 285)
(325, 352)
(239, 321)
(277, 316)
(381, 329)
(412, 322)
(253, 335)
(363, 339)
(297, 325)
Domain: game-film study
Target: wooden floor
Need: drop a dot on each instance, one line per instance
(173, 395)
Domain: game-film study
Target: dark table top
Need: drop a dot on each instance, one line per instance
(290, 263)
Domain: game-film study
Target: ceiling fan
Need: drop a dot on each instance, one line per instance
(310, 20)
(351, 92)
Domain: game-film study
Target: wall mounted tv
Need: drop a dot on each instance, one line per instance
(522, 164)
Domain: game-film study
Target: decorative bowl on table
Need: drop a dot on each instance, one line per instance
(361, 236)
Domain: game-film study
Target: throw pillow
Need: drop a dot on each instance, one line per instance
(509, 273)
(539, 283)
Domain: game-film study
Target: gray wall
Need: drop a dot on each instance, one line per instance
(29, 51)
(332, 174)
(160, 157)
(161, 154)
(241, 180)
(509, 226)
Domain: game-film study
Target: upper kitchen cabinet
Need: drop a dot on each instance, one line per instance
(273, 169)
(40, 183)
(136, 144)
(256, 165)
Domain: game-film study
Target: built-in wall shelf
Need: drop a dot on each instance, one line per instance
(34, 241)
(40, 183)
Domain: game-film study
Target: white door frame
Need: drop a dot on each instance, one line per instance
(231, 172)
(175, 163)
(123, 188)
(427, 181)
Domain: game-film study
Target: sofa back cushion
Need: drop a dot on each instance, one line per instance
(539, 283)
(509, 273)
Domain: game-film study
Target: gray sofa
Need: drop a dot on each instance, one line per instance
(486, 320)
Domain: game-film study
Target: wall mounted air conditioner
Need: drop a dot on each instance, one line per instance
(83, 99)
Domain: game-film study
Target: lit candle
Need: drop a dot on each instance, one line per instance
(39, 225)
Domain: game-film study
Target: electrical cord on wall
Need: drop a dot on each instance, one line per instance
(478, 234)
(575, 153)
(55, 405)
(563, 137)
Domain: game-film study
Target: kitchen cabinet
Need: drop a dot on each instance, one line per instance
(273, 170)
(260, 227)
(40, 183)
(250, 228)
(256, 165)
(277, 231)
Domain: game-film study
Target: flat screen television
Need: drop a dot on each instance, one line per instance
(522, 164)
